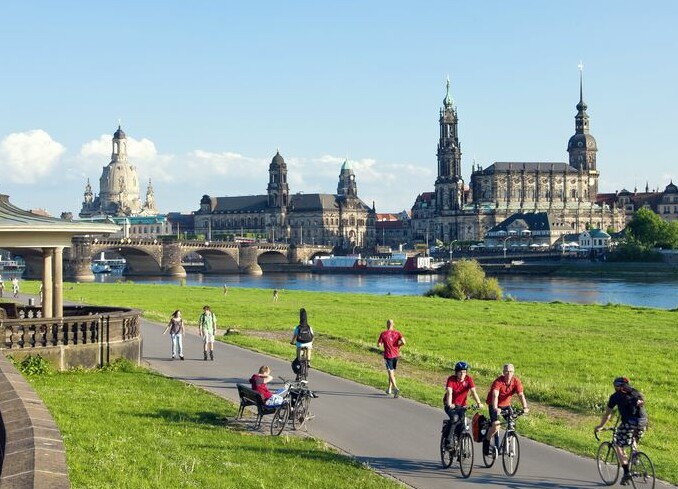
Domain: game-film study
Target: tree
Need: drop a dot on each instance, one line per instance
(649, 230)
(467, 281)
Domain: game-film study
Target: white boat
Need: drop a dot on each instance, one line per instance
(101, 267)
(393, 263)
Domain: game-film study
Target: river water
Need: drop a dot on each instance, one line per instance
(645, 292)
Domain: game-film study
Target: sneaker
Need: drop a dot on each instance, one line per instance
(388, 392)
(625, 480)
(181, 357)
(211, 355)
(204, 356)
(396, 393)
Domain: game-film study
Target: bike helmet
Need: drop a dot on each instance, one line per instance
(619, 381)
(461, 366)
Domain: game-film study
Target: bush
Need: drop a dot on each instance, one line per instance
(32, 365)
(467, 281)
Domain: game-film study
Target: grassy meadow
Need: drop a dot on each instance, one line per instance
(131, 428)
(565, 354)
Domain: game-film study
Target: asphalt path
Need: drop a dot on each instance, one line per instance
(398, 437)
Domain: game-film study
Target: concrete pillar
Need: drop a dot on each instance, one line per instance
(171, 259)
(58, 281)
(47, 281)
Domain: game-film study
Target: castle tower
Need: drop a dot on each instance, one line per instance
(347, 186)
(449, 184)
(278, 190)
(582, 146)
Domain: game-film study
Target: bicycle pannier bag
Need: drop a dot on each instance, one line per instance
(478, 423)
(304, 334)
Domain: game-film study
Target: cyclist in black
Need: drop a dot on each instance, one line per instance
(631, 406)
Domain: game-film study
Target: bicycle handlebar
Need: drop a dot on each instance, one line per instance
(595, 432)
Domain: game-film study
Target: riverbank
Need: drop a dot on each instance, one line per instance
(591, 344)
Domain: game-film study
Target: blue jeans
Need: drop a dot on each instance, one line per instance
(177, 344)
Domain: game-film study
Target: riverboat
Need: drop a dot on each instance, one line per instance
(393, 263)
(101, 266)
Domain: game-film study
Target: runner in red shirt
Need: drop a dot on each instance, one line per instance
(456, 391)
(391, 340)
(500, 396)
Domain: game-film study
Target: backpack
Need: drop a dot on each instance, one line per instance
(304, 334)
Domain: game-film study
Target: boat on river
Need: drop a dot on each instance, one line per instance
(392, 263)
(101, 266)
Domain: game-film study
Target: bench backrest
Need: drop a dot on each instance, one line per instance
(250, 394)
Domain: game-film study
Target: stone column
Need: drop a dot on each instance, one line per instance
(81, 260)
(58, 281)
(47, 281)
(171, 259)
(248, 260)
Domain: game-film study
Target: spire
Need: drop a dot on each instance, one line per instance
(581, 106)
(448, 101)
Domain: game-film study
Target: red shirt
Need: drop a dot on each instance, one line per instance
(260, 386)
(460, 389)
(390, 339)
(506, 391)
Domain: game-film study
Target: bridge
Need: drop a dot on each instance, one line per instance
(164, 257)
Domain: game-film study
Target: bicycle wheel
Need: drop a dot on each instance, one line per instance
(510, 455)
(642, 471)
(445, 454)
(489, 458)
(301, 411)
(465, 455)
(280, 418)
(608, 463)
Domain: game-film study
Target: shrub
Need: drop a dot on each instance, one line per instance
(467, 281)
(32, 365)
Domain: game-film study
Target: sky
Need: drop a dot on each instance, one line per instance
(207, 92)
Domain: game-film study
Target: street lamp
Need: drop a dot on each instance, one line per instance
(505, 240)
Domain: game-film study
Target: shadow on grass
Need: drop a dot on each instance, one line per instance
(200, 418)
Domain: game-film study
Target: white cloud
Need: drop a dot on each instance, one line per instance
(25, 157)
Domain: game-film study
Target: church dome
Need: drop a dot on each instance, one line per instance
(119, 134)
(346, 166)
(671, 189)
(278, 160)
(582, 141)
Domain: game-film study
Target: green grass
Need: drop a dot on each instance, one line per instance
(137, 429)
(565, 354)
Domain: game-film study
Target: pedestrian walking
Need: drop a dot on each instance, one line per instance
(2, 287)
(391, 340)
(15, 287)
(275, 295)
(207, 327)
(176, 331)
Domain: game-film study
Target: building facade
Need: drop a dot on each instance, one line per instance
(664, 203)
(566, 192)
(118, 187)
(341, 220)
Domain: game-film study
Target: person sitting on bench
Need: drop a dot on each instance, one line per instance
(259, 381)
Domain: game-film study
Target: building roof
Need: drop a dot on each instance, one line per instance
(21, 228)
(545, 167)
(314, 202)
(241, 203)
(532, 221)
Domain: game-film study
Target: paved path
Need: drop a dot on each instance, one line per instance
(396, 436)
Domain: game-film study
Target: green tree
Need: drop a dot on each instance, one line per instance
(649, 230)
(467, 281)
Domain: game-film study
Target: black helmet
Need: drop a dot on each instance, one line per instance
(461, 366)
(619, 381)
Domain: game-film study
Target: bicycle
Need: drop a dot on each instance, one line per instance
(303, 364)
(641, 468)
(296, 404)
(461, 448)
(510, 446)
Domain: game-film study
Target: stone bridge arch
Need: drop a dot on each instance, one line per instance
(217, 259)
(140, 259)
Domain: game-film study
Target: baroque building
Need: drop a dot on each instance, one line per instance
(341, 220)
(118, 187)
(566, 192)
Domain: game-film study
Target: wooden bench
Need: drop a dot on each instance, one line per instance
(250, 397)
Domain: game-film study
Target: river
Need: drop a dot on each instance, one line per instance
(644, 292)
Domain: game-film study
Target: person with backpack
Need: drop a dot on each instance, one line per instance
(633, 420)
(207, 327)
(303, 336)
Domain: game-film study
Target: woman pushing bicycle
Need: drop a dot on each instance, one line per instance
(631, 406)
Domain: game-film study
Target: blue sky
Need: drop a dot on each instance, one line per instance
(207, 91)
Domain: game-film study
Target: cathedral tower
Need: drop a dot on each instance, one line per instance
(582, 147)
(278, 190)
(449, 184)
(347, 186)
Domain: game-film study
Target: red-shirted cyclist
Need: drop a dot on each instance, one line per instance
(501, 393)
(456, 392)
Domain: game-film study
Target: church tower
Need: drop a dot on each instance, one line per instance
(118, 185)
(582, 146)
(449, 185)
(278, 190)
(347, 186)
